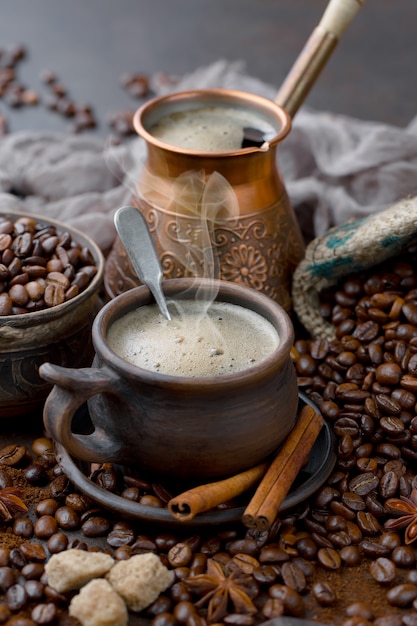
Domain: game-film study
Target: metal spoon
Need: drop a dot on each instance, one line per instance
(135, 236)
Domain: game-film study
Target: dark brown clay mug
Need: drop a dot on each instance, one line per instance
(177, 427)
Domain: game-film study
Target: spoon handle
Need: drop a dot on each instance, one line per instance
(135, 236)
(316, 52)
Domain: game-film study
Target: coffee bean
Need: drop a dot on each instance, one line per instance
(164, 619)
(35, 474)
(152, 501)
(44, 614)
(307, 548)
(59, 487)
(374, 549)
(324, 594)
(247, 546)
(34, 590)
(404, 556)
(46, 507)
(292, 601)
(383, 570)
(411, 618)
(402, 595)
(23, 527)
(346, 426)
(387, 404)
(33, 551)
(360, 609)
(12, 455)
(16, 558)
(198, 564)
(52, 595)
(106, 478)
(388, 374)
(391, 539)
(143, 544)
(33, 571)
(321, 541)
(163, 604)
(375, 508)
(388, 450)
(95, 526)
(45, 526)
(180, 555)
(16, 597)
(293, 577)
(121, 535)
(7, 578)
(350, 555)
(265, 575)
(340, 539)
(354, 531)
(353, 501)
(367, 465)
(180, 593)
(329, 558)
(306, 365)
(388, 485)
(364, 483)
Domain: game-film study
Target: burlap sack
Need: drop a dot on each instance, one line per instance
(351, 247)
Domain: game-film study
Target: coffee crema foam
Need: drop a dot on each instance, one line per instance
(226, 339)
(210, 129)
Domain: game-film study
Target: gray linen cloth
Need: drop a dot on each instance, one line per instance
(334, 167)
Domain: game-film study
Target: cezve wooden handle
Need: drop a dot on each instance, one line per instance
(321, 43)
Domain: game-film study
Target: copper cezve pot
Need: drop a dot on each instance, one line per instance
(260, 245)
(254, 237)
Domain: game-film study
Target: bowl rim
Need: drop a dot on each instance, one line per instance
(34, 317)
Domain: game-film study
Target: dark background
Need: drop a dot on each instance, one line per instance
(91, 43)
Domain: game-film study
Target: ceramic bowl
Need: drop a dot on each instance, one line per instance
(60, 334)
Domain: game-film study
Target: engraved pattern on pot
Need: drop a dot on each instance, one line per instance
(249, 250)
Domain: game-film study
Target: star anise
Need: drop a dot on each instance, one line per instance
(222, 590)
(11, 503)
(406, 508)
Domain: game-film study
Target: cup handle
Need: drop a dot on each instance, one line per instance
(72, 388)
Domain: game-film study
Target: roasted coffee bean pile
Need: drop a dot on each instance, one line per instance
(58, 99)
(12, 91)
(334, 559)
(39, 267)
(16, 95)
(60, 102)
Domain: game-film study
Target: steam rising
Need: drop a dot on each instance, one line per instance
(197, 203)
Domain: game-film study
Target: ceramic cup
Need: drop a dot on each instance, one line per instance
(171, 426)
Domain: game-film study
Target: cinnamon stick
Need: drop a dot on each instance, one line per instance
(205, 497)
(264, 506)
